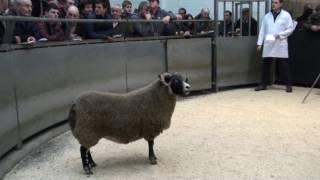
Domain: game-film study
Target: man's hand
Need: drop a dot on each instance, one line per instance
(18, 39)
(315, 28)
(147, 16)
(31, 39)
(179, 17)
(259, 48)
(166, 19)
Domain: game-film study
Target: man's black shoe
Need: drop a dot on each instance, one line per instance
(289, 89)
(260, 88)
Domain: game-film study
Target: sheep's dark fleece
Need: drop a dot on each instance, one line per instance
(124, 118)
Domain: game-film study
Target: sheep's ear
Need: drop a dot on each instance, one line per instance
(165, 78)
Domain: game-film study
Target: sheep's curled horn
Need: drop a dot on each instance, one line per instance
(165, 78)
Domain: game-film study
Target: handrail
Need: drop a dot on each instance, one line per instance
(37, 19)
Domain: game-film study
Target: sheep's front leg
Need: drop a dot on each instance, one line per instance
(152, 156)
(85, 160)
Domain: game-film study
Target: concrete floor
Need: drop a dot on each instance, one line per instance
(236, 134)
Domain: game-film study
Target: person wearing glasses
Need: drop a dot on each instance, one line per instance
(276, 27)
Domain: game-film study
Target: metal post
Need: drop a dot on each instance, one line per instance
(233, 18)
(267, 6)
(10, 26)
(258, 15)
(216, 17)
(250, 15)
(224, 19)
(241, 18)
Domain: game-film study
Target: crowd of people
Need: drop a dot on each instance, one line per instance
(29, 32)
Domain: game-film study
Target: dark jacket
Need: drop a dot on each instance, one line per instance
(123, 30)
(227, 29)
(99, 30)
(2, 31)
(245, 27)
(142, 29)
(25, 29)
(203, 26)
(53, 32)
(161, 28)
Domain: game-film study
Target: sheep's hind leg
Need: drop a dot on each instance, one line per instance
(85, 160)
(152, 156)
(91, 162)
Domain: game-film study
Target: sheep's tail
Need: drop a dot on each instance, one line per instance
(72, 117)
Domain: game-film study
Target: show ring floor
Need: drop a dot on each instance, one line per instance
(236, 134)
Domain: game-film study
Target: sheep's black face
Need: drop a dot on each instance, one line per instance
(177, 84)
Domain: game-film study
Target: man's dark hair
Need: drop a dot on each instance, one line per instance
(143, 4)
(184, 10)
(318, 9)
(125, 3)
(50, 6)
(101, 2)
(229, 12)
(153, 0)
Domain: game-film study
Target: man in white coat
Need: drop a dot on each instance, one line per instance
(276, 27)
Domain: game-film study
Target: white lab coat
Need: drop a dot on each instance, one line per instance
(282, 26)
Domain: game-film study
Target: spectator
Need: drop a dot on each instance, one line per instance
(127, 9)
(182, 27)
(314, 24)
(165, 28)
(86, 8)
(143, 29)
(3, 9)
(226, 29)
(204, 27)
(25, 31)
(118, 27)
(70, 3)
(52, 31)
(190, 25)
(74, 31)
(317, 9)
(62, 5)
(245, 24)
(276, 27)
(305, 17)
(100, 30)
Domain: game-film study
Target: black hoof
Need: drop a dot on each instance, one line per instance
(92, 165)
(153, 160)
(87, 170)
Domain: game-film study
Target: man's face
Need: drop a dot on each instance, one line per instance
(227, 16)
(72, 13)
(145, 10)
(52, 13)
(154, 4)
(70, 3)
(128, 8)
(182, 13)
(24, 8)
(116, 12)
(88, 9)
(205, 14)
(3, 5)
(276, 5)
(100, 10)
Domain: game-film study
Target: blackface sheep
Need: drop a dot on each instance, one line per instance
(124, 118)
